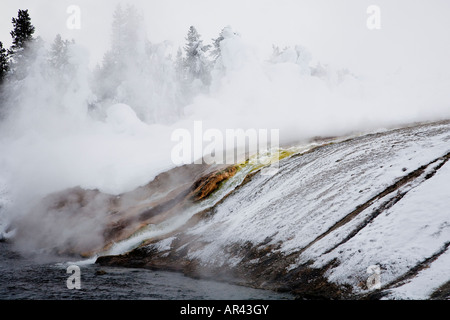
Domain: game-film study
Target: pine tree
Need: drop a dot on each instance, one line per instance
(193, 51)
(58, 56)
(126, 55)
(4, 64)
(196, 63)
(60, 67)
(23, 32)
(118, 33)
(22, 35)
(138, 73)
(216, 51)
(217, 64)
(127, 39)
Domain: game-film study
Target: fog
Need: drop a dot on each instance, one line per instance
(336, 78)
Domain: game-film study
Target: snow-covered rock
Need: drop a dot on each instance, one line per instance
(376, 202)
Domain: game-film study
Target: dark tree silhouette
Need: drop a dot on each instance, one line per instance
(22, 35)
(4, 64)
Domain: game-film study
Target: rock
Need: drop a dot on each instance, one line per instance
(82, 223)
(206, 185)
(100, 272)
(308, 229)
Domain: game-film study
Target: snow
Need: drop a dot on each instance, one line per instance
(401, 237)
(50, 142)
(311, 193)
(165, 244)
(426, 282)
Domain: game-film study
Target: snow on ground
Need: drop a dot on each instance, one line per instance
(426, 282)
(312, 192)
(416, 228)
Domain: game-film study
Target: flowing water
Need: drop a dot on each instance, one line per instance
(30, 279)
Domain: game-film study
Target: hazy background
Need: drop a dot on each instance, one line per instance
(402, 76)
(413, 32)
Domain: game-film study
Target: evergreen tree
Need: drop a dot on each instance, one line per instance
(196, 63)
(61, 68)
(217, 63)
(59, 56)
(4, 65)
(118, 25)
(22, 35)
(127, 37)
(126, 54)
(138, 73)
(216, 52)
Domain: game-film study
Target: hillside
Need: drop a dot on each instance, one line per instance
(317, 225)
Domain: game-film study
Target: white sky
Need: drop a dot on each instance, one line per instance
(414, 33)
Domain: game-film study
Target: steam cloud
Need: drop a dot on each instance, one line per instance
(52, 138)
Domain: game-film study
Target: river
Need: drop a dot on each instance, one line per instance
(25, 278)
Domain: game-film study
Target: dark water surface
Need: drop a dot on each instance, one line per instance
(26, 278)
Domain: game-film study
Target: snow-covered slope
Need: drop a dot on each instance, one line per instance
(316, 226)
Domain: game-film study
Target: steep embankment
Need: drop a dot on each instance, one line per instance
(328, 214)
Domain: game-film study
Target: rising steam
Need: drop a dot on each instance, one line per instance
(109, 127)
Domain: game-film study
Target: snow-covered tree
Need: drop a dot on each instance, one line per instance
(137, 72)
(66, 68)
(197, 64)
(126, 53)
(59, 56)
(181, 75)
(127, 34)
(216, 51)
(168, 93)
(298, 55)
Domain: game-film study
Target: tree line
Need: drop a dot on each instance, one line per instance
(133, 71)
(22, 35)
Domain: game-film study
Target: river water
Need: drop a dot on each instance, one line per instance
(24, 278)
